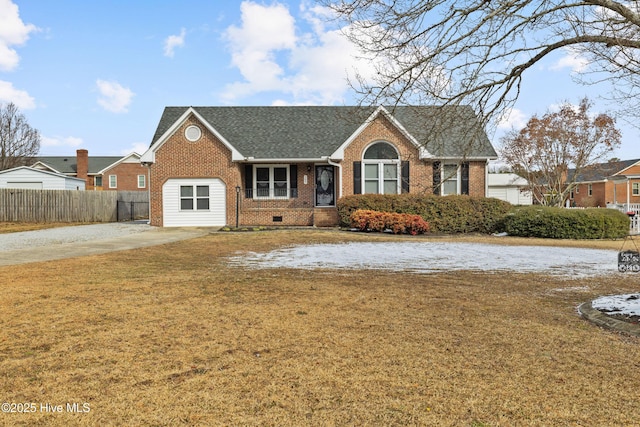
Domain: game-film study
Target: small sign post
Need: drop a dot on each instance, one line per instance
(629, 261)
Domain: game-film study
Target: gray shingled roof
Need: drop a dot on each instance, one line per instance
(313, 132)
(68, 164)
(600, 171)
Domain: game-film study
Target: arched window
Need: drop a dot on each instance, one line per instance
(381, 165)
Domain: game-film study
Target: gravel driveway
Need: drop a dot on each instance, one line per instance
(72, 234)
(81, 240)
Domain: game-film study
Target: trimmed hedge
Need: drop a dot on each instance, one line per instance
(366, 220)
(448, 214)
(560, 223)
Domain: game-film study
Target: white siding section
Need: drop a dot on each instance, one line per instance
(173, 216)
(25, 177)
(508, 187)
(25, 185)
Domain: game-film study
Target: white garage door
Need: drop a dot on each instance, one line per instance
(194, 203)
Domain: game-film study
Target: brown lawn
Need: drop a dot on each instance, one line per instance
(171, 335)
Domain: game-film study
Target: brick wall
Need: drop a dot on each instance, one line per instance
(181, 158)
(126, 176)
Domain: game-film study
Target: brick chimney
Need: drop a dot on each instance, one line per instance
(82, 164)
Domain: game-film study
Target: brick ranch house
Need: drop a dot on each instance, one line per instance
(289, 165)
(114, 173)
(602, 184)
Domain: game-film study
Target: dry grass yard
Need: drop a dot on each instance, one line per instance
(172, 335)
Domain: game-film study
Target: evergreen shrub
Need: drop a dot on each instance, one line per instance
(444, 214)
(560, 223)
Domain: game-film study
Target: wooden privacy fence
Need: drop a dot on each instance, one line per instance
(18, 205)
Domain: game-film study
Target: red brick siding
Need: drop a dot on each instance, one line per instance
(127, 177)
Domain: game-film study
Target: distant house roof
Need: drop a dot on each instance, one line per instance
(39, 171)
(600, 171)
(314, 132)
(68, 164)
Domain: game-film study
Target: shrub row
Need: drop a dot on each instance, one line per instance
(560, 223)
(448, 214)
(398, 223)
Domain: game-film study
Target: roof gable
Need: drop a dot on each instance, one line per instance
(172, 119)
(130, 158)
(317, 132)
(339, 153)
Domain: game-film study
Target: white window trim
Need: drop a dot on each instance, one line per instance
(194, 198)
(380, 163)
(144, 181)
(271, 195)
(635, 188)
(113, 181)
(589, 189)
(443, 178)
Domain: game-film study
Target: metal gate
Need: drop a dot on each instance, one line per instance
(132, 211)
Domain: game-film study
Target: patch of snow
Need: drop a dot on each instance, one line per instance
(572, 289)
(430, 257)
(628, 304)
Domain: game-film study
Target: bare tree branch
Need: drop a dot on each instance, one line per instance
(477, 52)
(18, 141)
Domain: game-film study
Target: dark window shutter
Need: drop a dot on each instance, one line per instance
(405, 176)
(464, 178)
(248, 181)
(436, 178)
(357, 177)
(293, 177)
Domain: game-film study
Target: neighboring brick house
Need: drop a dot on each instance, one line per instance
(614, 182)
(100, 172)
(289, 165)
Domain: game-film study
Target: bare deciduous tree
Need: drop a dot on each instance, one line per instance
(476, 52)
(18, 140)
(545, 149)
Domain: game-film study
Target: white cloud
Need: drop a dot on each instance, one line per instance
(114, 97)
(19, 97)
(172, 42)
(13, 32)
(310, 67)
(61, 141)
(572, 60)
(136, 147)
(512, 119)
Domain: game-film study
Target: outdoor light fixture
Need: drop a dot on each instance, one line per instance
(237, 204)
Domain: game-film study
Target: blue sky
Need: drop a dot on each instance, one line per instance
(97, 74)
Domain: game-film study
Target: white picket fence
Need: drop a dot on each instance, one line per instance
(634, 220)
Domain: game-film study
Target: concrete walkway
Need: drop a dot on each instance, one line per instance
(155, 236)
(587, 311)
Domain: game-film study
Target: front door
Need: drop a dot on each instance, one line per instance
(325, 186)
